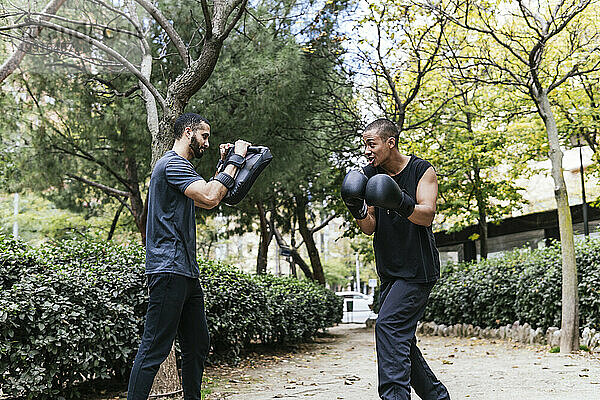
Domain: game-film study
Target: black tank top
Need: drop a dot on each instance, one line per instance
(403, 249)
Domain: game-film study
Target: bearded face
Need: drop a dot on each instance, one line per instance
(196, 147)
(198, 139)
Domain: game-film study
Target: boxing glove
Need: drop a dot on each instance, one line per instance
(383, 191)
(353, 193)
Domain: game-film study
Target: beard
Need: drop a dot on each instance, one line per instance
(197, 150)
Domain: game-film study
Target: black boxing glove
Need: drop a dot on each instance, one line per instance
(353, 193)
(382, 191)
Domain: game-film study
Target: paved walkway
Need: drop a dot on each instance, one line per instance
(342, 365)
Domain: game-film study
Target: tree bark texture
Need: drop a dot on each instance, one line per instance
(482, 220)
(266, 235)
(167, 379)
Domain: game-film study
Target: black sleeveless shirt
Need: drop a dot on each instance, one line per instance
(404, 249)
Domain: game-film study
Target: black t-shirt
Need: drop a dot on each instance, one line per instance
(404, 249)
(171, 224)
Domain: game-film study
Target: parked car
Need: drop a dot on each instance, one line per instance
(357, 307)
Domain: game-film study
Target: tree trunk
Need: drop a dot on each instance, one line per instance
(482, 220)
(302, 264)
(113, 226)
(179, 94)
(265, 240)
(293, 244)
(137, 204)
(167, 378)
(569, 340)
(309, 241)
(483, 236)
(295, 255)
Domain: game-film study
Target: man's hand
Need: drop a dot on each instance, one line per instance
(353, 194)
(382, 191)
(224, 148)
(241, 147)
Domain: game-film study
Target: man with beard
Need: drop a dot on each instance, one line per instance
(395, 198)
(176, 300)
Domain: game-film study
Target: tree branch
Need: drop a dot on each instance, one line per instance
(323, 224)
(207, 19)
(15, 59)
(235, 20)
(104, 188)
(111, 52)
(171, 32)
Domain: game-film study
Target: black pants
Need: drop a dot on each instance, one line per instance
(399, 360)
(175, 307)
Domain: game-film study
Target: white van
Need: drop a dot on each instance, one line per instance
(356, 307)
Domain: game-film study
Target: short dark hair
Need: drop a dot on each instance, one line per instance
(384, 128)
(188, 119)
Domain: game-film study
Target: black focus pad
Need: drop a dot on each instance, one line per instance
(257, 159)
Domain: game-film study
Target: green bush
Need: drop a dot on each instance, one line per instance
(73, 312)
(522, 285)
(76, 314)
(289, 299)
(236, 309)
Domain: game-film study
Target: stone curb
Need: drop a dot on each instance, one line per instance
(516, 332)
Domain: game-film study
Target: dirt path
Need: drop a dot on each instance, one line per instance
(342, 365)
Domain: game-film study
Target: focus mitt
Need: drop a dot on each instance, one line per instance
(256, 160)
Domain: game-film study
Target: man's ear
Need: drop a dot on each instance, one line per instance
(391, 141)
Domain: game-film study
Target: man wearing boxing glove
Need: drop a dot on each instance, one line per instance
(395, 197)
(176, 300)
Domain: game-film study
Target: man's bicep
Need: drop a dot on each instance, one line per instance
(195, 190)
(427, 189)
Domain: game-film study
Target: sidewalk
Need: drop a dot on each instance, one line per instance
(343, 366)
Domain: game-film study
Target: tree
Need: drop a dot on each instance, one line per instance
(94, 39)
(85, 140)
(535, 47)
(401, 59)
(290, 96)
(479, 144)
(90, 31)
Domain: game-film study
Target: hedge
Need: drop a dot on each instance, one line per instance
(522, 285)
(73, 312)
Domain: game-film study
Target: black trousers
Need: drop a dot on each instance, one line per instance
(175, 307)
(399, 360)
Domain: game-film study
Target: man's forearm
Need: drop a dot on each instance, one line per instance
(422, 215)
(367, 225)
(221, 189)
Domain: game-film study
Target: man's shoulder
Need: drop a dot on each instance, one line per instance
(165, 159)
(421, 162)
(171, 159)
